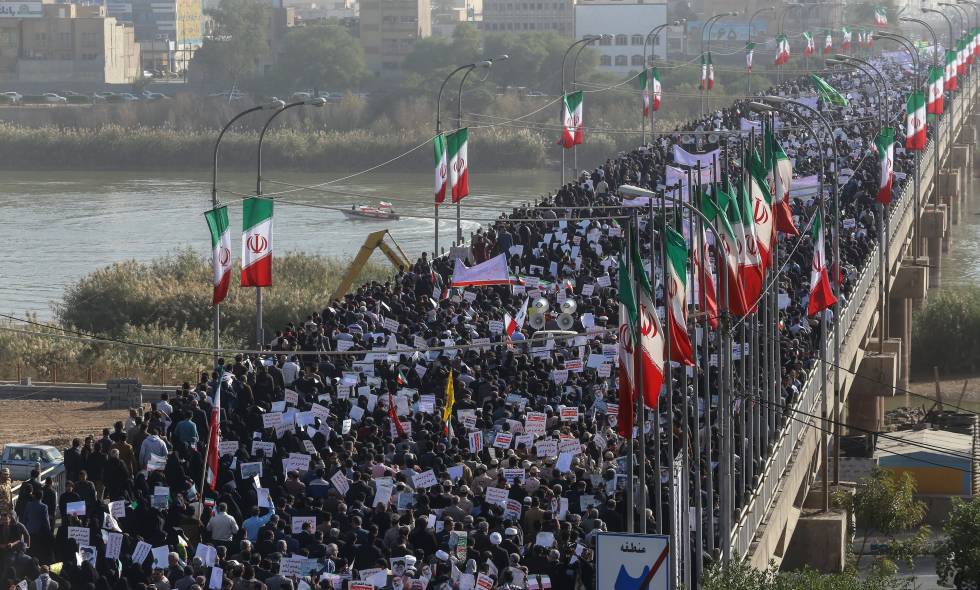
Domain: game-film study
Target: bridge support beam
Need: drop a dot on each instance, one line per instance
(933, 228)
(876, 378)
(819, 541)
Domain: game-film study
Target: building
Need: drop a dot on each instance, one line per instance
(171, 29)
(520, 15)
(389, 29)
(66, 43)
(629, 22)
(447, 14)
(946, 472)
(321, 10)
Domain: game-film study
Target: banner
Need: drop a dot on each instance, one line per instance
(491, 272)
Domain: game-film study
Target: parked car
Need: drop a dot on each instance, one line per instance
(22, 458)
(13, 96)
(51, 97)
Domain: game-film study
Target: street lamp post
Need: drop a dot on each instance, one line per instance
(585, 40)
(748, 77)
(274, 105)
(976, 23)
(442, 87)
(935, 125)
(575, 84)
(910, 47)
(459, 124)
(315, 102)
(835, 245)
(654, 35)
(951, 47)
(708, 25)
(782, 31)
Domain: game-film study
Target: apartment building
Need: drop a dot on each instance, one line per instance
(389, 29)
(525, 15)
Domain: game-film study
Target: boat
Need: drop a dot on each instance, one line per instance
(382, 211)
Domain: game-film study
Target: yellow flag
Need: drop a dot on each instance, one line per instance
(450, 399)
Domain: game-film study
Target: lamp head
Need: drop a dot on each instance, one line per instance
(758, 107)
(274, 105)
(835, 62)
(842, 57)
(775, 99)
(484, 64)
(502, 57)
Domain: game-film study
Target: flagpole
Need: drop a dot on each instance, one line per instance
(695, 231)
(689, 567)
(706, 358)
(657, 468)
(630, 452)
(669, 382)
(638, 377)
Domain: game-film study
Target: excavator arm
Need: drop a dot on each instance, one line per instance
(374, 240)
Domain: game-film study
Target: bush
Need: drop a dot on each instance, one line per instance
(172, 295)
(946, 332)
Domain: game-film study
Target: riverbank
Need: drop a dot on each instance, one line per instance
(119, 148)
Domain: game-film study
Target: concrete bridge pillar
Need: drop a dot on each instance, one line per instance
(876, 379)
(933, 228)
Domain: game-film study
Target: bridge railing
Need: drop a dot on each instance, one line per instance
(761, 499)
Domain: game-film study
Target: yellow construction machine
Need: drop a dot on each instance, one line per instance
(374, 241)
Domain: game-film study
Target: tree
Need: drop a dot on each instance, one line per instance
(321, 56)
(739, 575)
(535, 60)
(958, 554)
(886, 505)
(238, 42)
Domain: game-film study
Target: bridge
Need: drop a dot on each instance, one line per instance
(774, 514)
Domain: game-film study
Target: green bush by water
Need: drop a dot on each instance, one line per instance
(946, 333)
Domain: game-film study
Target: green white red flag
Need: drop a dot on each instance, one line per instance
(751, 266)
(779, 172)
(656, 91)
(675, 283)
(749, 53)
(885, 146)
(457, 158)
(881, 16)
(571, 120)
(760, 211)
(846, 38)
(828, 43)
(715, 207)
(935, 87)
(949, 74)
(214, 436)
(257, 242)
(810, 48)
(782, 49)
(220, 252)
(442, 167)
(821, 294)
(915, 122)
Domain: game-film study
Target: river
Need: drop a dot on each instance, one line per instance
(66, 225)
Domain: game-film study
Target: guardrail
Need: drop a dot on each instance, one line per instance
(58, 478)
(761, 499)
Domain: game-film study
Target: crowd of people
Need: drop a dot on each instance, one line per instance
(337, 468)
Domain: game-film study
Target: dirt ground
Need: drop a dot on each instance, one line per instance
(951, 389)
(53, 422)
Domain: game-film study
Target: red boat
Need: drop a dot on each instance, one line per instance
(382, 211)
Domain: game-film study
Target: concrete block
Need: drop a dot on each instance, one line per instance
(933, 222)
(911, 281)
(819, 541)
(878, 372)
(949, 181)
(961, 155)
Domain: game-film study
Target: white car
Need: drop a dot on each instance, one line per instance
(54, 98)
(21, 459)
(13, 96)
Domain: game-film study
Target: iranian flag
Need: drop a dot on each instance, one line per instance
(675, 282)
(915, 122)
(881, 16)
(846, 39)
(960, 57)
(749, 52)
(459, 175)
(976, 41)
(439, 149)
(704, 72)
(949, 74)
(828, 43)
(714, 206)
(760, 210)
(571, 120)
(214, 435)
(655, 89)
(644, 81)
(821, 294)
(220, 252)
(869, 40)
(885, 146)
(782, 50)
(751, 265)
(514, 324)
(711, 73)
(257, 242)
(703, 279)
(970, 42)
(779, 170)
(638, 315)
(935, 87)
(810, 47)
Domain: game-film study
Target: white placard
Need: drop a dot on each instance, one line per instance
(424, 480)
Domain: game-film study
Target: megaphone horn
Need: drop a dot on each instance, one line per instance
(566, 321)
